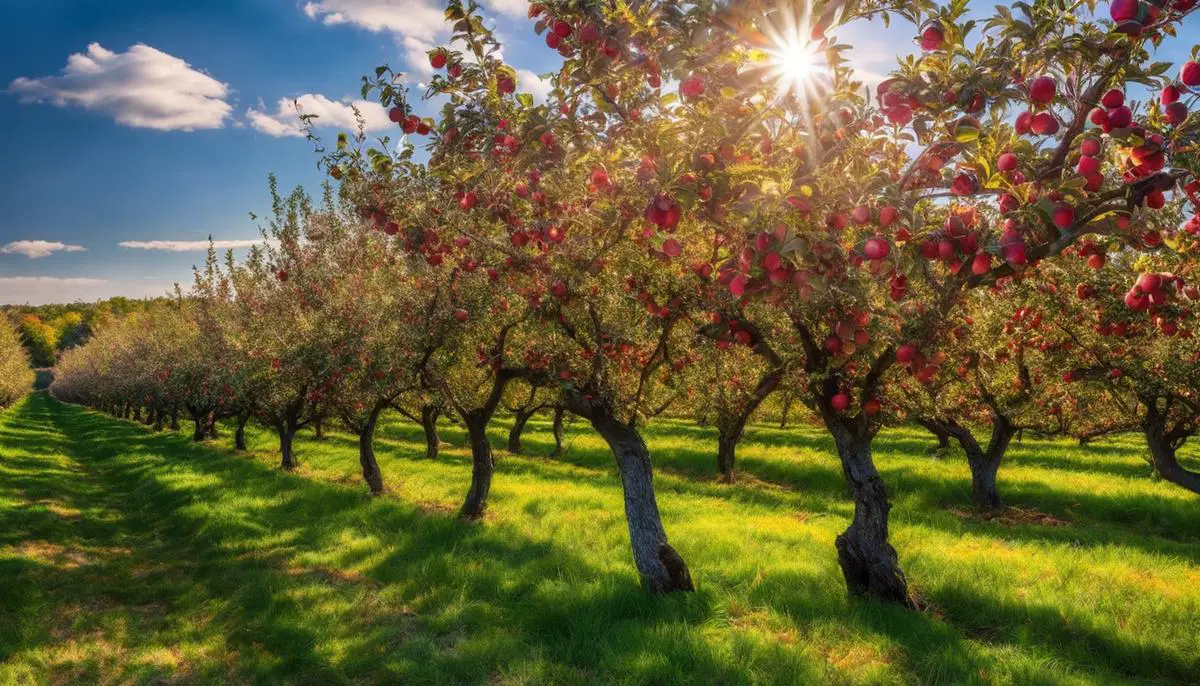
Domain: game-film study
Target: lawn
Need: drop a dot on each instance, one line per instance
(133, 557)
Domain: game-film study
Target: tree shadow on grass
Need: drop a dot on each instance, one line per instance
(446, 601)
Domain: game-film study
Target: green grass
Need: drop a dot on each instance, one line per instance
(131, 557)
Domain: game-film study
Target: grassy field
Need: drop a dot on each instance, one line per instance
(131, 557)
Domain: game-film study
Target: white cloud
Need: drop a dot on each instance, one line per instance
(285, 121)
(531, 83)
(40, 290)
(36, 249)
(415, 24)
(188, 246)
(402, 17)
(142, 87)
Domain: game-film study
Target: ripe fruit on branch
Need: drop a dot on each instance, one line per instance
(1006, 162)
(1042, 90)
(1189, 74)
(691, 87)
(1044, 124)
(839, 402)
(663, 212)
(876, 248)
(438, 59)
(932, 37)
(1063, 215)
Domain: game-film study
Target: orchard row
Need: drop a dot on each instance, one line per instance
(1000, 235)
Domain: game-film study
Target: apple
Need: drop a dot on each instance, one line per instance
(1006, 162)
(1042, 90)
(691, 87)
(460, 314)
(1044, 124)
(839, 402)
(932, 37)
(876, 248)
(1189, 74)
(437, 60)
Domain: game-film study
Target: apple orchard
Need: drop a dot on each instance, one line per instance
(709, 213)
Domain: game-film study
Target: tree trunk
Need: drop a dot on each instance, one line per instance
(239, 435)
(869, 563)
(1163, 446)
(174, 419)
(661, 568)
(137, 413)
(429, 417)
(201, 427)
(288, 461)
(514, 435)
(318, 428)
(482, 466)
(159, 419)
(985, 465)
(213, 431)
(727, 440)
(783, 416)
(942, 436)
(558, 431)
(366, 454)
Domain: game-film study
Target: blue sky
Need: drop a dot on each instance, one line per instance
(154, 123)
(173, 140)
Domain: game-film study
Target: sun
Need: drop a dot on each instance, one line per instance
(794, 59)
(795, 64)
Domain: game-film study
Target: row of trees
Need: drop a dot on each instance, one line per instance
(16, 377)
(621, 250)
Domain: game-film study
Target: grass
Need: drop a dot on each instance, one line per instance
(133, 557)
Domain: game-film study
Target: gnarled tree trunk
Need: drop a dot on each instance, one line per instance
(174, 419)
(200, 429)
(661, 568)
(366, 454)
(520, 419)
(1164, 443)
(727, 440)
(942, 436)
(869, 563)
(482, 466)
(239, 434)
(429, 417)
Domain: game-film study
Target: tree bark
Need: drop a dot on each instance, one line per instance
(661, 568)
(727, 440)
(318, 428)
(942, 436)
(288, 458)
(239, 434)
(429, 417)
(783, 416)
(213, 431)
(201, 427)
(1164, 444)
(520, 419)
(558, 431)
(869, 563)
(159, 418)
(366, 453)
(137, 413)
(174, 419)
(482, 466)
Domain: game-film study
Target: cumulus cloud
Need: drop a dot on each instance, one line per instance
(533, 84)
(414, 23)
(40, 290)
(189, 246)
(142, 87)
(35, 249)
(285, 120)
